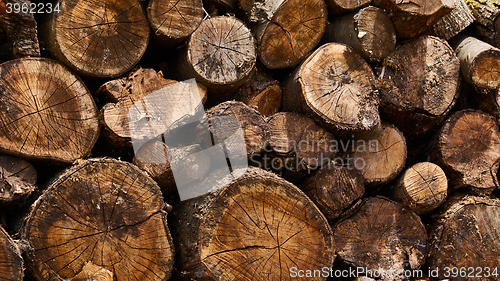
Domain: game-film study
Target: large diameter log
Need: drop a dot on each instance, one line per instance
(287, 30)
(419, 85)
(98, 38)
(454, 22)
(369, 31)
(255, 228)
(384, 236)
(11, 262)
(100, 211)
(337, 7)
(468, 148)
(17, 180)
(46, 112)
(413, 18)
(464, 236)
(336, 87)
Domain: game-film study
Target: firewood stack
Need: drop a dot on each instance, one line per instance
(249, 140)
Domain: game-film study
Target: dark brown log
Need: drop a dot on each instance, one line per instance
(46, 112)
(11, 262)
(335, 189)
(100, 39)
(488, 101)
(383, 235)
(225, 5)
(419, 84)
(287, 30)
(464, 236)
(17, 180)
(338, 7)
(102, 211)
(255, 228)
(467, 148)
(336, 87)
(413, 18)
(18, 31)
(422, 187)
(485, 12)
(174, 21)
(369, 31)
(454, 22)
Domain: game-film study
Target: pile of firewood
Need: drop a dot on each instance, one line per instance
(369, 128)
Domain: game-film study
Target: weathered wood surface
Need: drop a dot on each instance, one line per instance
(11, 261)
(17, 180)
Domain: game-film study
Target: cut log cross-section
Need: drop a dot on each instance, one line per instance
(17, 180)
(11, 262)
(46, 112)
(103, 216)
(98, 38)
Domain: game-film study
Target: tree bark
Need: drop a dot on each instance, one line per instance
(98, 39)
(419, 84)
(382, 235)
(46, 111)
(336, 87)
(338, 7)
(102, 211)
(255, 228)
(464, 235)
(485, 12)
(422, 187)
(467, 148)
(11, 262)
(17, 180)
(454, 22)
(369, 31)
(287, 30)
(173, 21)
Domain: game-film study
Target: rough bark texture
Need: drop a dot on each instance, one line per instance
(102, 211)
(369, 31)
(382, 235)
(336, 87)
(46, 112)
(255, 228)
(11, 262)
(17, 180)
(485, 12)
(419, 84)
(454, 22)
(468, 148)
(338, 7)
(422, 187)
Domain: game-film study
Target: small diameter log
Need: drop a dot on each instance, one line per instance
(485, 12)
(464, 234)
(423, 187)
(287, 30)
(220, 54)
(382, 235)
(338, 7)
(256, 228)
(17, 180)
(19, 31)
(412, 19)
(479, 61)
(336, 87)
(11, 262)
(102, 211)
(468, 148)
(46, 112)
(335, 189)
(382, 159)
(99, 39)
(174, 21)
(369, 31)
(454, 22)
(419, 84)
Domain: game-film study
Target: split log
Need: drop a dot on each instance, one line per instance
(369, 31)
(102, 211)
(479, 61)
(382, 159)
(220, 54)
(336, 87)
(46, 111)
(255, 228)
(422, 187)
(338, 7)
(99, 39)
(454, 22)
(335, 190)
(18, 31)
(464, 236)
(413, 18)
(173, 21)
(468, 150)
(11, 262)
(419, 85)
(17, 180)
(383, 235)
(287, 30)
